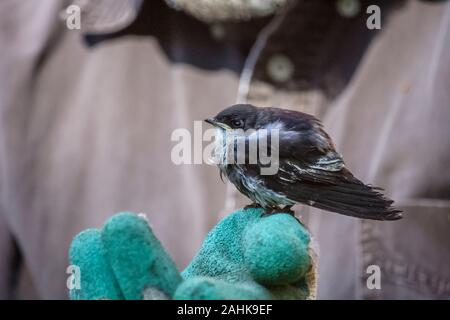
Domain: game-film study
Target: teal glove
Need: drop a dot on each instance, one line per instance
(245, 256)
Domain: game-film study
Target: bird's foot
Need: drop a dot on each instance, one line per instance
(253, 205)
(285, 209)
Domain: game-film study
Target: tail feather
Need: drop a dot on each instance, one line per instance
(354, 199)
(387, 213)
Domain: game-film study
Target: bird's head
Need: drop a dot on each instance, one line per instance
(239, 116)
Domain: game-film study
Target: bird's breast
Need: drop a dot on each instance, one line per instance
(254, 187)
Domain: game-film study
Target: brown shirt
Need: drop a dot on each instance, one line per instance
(86, 118)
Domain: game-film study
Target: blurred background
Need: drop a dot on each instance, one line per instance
(91, 91)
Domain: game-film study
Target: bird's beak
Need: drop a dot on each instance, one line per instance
(210, 121)
(217, 124)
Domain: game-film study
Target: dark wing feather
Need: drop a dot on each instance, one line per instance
(337, 191)
(312, 172)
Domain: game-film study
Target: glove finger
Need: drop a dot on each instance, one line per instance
(275, 250)
(142, 267)
(96, 278)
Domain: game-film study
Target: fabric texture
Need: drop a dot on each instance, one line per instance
(224, 10)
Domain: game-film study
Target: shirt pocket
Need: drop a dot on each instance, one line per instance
(413, 253)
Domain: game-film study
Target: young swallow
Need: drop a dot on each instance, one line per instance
(310, 171)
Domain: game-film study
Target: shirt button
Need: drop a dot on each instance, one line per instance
(217, 31)
(348, 8)
(280, 68)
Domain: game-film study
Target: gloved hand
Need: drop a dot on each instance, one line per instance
(245, 256)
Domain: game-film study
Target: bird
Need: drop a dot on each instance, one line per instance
(310, 170)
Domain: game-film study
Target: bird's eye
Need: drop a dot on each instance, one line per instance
(237, 123)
